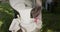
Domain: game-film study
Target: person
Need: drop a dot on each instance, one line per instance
(48, 5)
(24, 22)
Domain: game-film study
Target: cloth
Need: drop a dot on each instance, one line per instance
(28, 26)
(20, 4)
(14, 25)
(25, 21)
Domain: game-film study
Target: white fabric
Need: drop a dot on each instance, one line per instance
(20, 4)
(28, 26)
(25, 21)
(14, 25)
(25, 15)
(17, 4)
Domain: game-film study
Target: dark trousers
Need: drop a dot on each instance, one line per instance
(49, 8)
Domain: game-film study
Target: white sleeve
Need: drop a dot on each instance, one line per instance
(14, 25)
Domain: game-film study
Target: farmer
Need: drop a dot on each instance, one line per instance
(30, 17)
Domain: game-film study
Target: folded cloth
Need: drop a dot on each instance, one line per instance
(14, 25)
(29, 27)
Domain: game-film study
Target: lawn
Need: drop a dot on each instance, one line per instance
(6, 16)
(51, 21)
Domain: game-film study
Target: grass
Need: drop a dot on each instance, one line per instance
(51, 21)
(6, 16)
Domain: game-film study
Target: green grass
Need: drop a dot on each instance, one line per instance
(51, 21)
(6, 16)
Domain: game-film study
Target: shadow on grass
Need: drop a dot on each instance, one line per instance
(6, 20)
